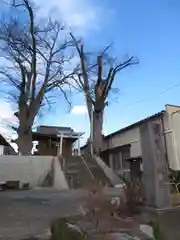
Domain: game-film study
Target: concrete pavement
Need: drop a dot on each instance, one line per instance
(24, 214)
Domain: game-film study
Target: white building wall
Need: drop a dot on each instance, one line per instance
(135, 150)
(172, 135)
(131, 136)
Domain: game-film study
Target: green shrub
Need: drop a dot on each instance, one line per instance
(158, 235)
(61, 230)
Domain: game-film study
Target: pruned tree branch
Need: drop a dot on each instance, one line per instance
(84, 83)
(96, 80)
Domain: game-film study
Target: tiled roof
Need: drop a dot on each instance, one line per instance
(53, 129)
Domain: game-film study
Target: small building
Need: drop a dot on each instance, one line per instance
(55, 141)
(127, 143)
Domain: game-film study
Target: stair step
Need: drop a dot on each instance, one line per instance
(78, 175)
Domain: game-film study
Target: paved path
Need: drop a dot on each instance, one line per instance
(27, 213)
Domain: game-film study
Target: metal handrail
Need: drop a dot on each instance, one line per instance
(87, 167)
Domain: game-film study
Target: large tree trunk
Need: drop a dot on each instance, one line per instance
(25, 144)
(24, 141)
(88, 104)
(26, 120)
(97, 132)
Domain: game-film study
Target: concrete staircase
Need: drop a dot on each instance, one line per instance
(98, 172)
(80, 172)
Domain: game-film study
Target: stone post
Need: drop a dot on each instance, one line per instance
(155, 168)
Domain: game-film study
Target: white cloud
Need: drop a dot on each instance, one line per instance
(6, 112)
(78, 110)
(7, 118)
(76, 13)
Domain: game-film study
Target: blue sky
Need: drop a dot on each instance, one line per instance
(147, 29)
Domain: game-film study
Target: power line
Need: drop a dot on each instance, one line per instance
(158, 93)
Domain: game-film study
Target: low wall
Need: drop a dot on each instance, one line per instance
(114, 179)
(28, 169)
(59, 177)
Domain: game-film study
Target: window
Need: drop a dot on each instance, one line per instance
(116, 160)
(119, 163)
(125, 155)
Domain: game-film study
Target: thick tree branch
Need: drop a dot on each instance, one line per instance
(33, 38)
(34, 53)
(99, 60)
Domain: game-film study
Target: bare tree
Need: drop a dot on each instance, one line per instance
(96, 80)
(33, 53)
